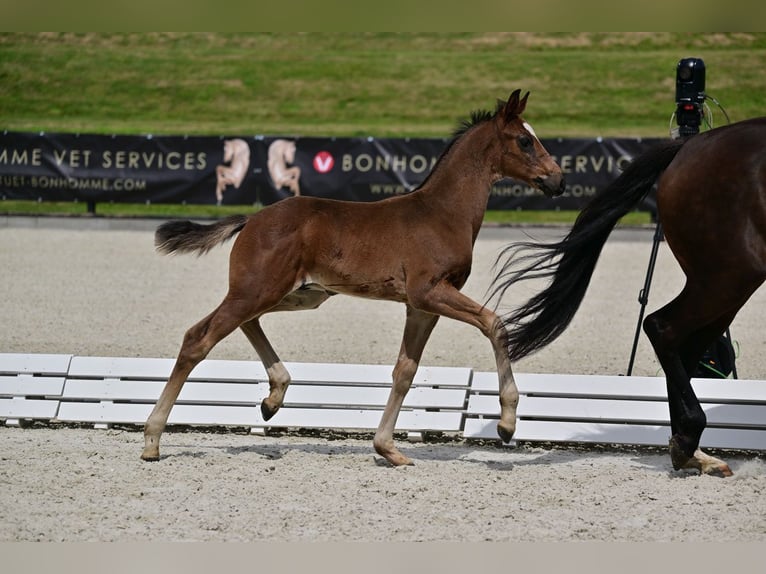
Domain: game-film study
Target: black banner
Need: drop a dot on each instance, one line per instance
(260, 170)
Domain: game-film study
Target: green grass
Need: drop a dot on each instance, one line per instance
(356, 84)
(385, 85)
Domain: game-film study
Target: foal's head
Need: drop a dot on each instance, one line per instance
(521, 155)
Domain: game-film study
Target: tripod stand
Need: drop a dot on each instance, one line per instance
(689, 115)
(643, 298)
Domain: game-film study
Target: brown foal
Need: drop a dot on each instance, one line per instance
(415, 249)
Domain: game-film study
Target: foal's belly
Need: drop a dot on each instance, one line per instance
(307, 296)
(311, 294)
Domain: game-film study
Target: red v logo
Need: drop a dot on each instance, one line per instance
(323, 162)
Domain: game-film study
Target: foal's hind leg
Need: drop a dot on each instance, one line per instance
(417, 329)
(279, 378)
(198, 342)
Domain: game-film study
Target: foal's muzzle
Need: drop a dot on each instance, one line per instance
(552, 185)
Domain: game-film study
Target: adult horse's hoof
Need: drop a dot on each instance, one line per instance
(700, 461)
(677, 455)
(721, 469)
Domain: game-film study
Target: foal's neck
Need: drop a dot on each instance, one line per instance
(462, 179)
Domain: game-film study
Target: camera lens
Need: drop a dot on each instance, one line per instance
(685, 73)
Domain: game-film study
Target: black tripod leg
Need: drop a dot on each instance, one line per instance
(643, 296)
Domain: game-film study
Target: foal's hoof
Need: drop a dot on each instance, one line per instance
(267, 412)
(151, 452)
(392, 454)
(150, 455)
(505, 434)
(396, 459)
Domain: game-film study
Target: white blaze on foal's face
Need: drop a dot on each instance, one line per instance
(531, 131)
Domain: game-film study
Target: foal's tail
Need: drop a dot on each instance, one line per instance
(571, 261)
(186, 236)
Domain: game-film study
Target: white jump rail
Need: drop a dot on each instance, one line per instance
(617, 410)
(107, 390)
(31, 386)
(553, 408)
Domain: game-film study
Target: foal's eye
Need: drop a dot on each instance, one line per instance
(525, 142)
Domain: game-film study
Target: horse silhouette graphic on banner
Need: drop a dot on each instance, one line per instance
(236, 153)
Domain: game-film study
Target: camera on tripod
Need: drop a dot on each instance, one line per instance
(690, 95)
(691, 110)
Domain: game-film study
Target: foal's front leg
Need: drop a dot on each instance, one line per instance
(417, 329)
(509, 393)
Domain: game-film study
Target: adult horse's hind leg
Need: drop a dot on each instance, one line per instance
(198, 342)
(687, 419)
(680, 332)
(417, 330)
(279, 378)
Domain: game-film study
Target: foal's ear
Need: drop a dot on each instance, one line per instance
(515, 105)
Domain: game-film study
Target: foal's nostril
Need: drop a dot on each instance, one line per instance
(551, 185)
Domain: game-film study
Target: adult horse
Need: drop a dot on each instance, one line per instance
(711, 200)
(415, 249)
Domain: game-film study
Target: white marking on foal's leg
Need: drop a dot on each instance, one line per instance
(279, 380)
(509, 393)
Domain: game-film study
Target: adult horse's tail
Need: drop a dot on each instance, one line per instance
(571, 261)
(187, 236)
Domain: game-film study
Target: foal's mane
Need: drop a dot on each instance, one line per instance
(476, 118)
